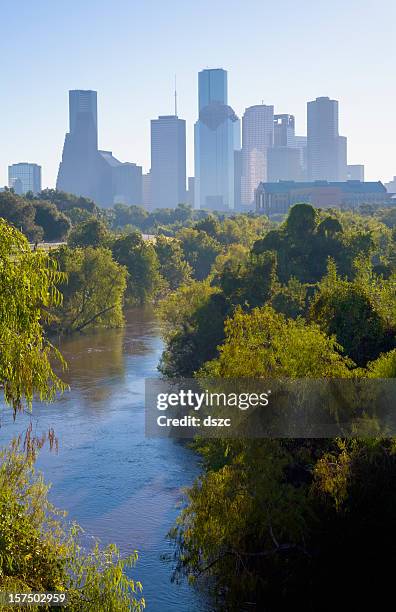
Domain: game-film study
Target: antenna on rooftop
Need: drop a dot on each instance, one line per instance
(175, 97)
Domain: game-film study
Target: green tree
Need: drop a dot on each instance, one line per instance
(29, 284)
(94, 291)
(344, 309)
(141, 261)
(263, 343)
(173, 267)
(92, 232)
(200, 251)
(20, 213)
(55, 224)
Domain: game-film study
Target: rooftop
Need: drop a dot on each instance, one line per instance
(347, 187)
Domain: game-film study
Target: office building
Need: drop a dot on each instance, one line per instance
(216, 137)
(24, 177)
(257, 139)
(284, 135)
(190, 191)
(168, 161)
(238, 179)
(126, 180)
(391, 186)
(147, 190)
(87, 171)
(277, 198)
(284, 164)
(325, 147)
(355, 172)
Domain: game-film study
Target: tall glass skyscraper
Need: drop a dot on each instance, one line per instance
(217, 136)
(168, 161)
(24, 177)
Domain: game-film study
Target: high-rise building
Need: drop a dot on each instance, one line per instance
(24, 177)
(168, 161)
(300, 143)
(217, 136)
(126, 178)
(147, 190)
(284, 164)
(81, 168)
(284, 135)
(86, 171)
(391, 186)
(190, 191)
(257, 139)
(237, 178)
(212, 87)
(326, 149)
(355, 172)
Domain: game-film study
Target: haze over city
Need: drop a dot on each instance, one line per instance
(129, 53)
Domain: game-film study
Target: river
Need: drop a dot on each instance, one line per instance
(117, 484)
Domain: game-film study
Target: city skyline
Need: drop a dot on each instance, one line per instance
(333, 61)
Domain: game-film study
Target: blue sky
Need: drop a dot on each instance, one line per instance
(284, 53)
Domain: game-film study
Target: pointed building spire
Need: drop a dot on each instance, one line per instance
(175, 97)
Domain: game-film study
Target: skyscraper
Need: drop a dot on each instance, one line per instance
(24, 177)
(217, 136)
(81, 168)
(212, 87)
(168, 161)
(284, 135)
(326, 149)
(257, 138)
(356, 172)
(86, 171)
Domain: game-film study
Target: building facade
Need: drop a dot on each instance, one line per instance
(326, 149)
(24, 177)
(86, 171)
(284, 131)
(277, 198)
(216, 137)
(168, 161)
(284, 164)
(257, 139)
(355, 172)
(391, 186)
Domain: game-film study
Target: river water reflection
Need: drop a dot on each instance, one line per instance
(120, 486)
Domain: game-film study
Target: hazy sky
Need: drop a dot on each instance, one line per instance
(283, 52)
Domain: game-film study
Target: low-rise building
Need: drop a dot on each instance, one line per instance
(277, 198)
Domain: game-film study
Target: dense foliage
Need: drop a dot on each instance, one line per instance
(270, 520)
(93, 291)
(28, 289)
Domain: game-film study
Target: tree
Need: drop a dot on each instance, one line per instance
(200, 251)
(38, 552)
(173, 267)
(263, 343)
(65, 202)
(129, 215)
(193, 326)
(55, 224)
(93, 294)
(92, 232)
(344, 309)
(140, 259)
(29, 284)
(20, 213)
